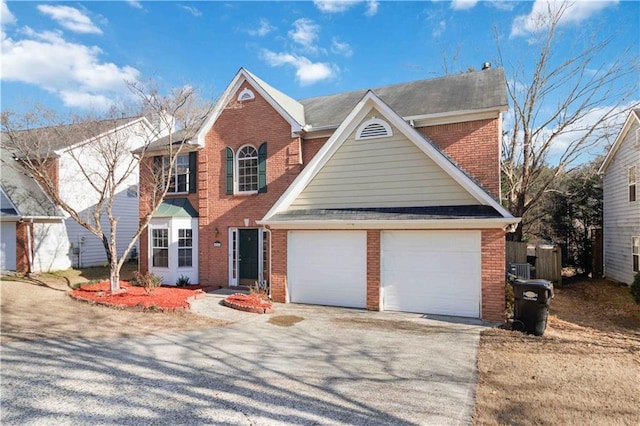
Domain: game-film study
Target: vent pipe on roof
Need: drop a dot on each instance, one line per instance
(486, 66)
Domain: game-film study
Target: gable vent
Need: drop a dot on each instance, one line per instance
(374, 128)
(246, 95)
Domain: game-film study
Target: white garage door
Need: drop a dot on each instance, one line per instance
(436, 272)
(8, 246)
(327, 268)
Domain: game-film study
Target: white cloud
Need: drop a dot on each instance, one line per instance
(192, 10)
(76, 99)
(339, 6)
(6, 17)
(463, 4)
(502, 4)
(135, 3)
(341, 48)
(307, 72)
(372, 8)
(69, 70)
(537, 19)
(70, 18)
(334, 6)
(305, 33)
(439, 28)
(263, 29)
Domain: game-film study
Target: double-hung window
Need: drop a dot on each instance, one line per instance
(635, 253)
(160, 247)
(177, 177)
(185, 248)
(633, 179)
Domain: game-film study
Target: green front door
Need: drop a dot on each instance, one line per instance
(248, 261)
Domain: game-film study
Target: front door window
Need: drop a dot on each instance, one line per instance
(248, 259)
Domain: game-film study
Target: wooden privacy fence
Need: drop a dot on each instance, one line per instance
(516, 252)
(547, 264)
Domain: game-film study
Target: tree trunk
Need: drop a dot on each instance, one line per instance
(114, 277)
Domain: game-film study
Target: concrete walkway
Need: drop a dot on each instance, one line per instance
(320, 366)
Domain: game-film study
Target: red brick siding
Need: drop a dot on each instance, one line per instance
(493, 275)
(310, 148)
(241, 123)
(279, 265)
(474, 146)
(373, 270)
(22, 251)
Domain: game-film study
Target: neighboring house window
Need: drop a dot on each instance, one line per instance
(635, 253)
(160, 247)
(632, 183)
(132, 191)
(182, 177)
(246, 95)
(374, 128)
(185, 247)
(246, 170)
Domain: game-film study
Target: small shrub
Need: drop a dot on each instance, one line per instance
(147, 281)
(509, 299)
(635, 288)
(182, 281)
(261, 291)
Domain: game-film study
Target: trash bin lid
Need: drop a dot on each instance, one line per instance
(536, 283)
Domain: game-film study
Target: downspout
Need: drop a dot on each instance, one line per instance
(268, 231)
(29, 246)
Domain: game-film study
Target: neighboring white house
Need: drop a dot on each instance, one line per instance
(621, 224)
(76, 246)
(33, 233)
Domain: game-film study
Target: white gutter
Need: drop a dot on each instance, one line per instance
(504, 223)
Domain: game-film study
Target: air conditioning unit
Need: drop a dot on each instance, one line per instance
(521, 270)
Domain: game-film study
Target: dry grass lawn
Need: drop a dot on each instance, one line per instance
(585, 369)
(40, 308)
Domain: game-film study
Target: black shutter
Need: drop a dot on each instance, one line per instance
(229, 171)
(262, 168)
(193, 172)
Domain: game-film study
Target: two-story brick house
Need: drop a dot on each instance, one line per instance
(385, 199)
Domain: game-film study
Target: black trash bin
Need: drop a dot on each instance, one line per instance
(531, 305)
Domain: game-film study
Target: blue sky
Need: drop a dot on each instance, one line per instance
(76, 55)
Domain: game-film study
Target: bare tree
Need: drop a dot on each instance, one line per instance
(562, 105)
(104, 159)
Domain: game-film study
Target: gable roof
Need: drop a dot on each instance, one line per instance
(634, 117)
(461, 93)
(450, 95)
(291, 110)
(25, 198)
(279, 213)
(52, 139)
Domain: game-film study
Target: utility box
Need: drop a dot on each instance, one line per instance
(531, 305)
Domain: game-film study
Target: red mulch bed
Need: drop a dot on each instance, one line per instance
(165, 298)
(249, 303)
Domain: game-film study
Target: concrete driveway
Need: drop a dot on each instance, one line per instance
(300, 365)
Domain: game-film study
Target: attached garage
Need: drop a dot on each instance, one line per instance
(327, 268)
(8, 246)
(436, 272)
